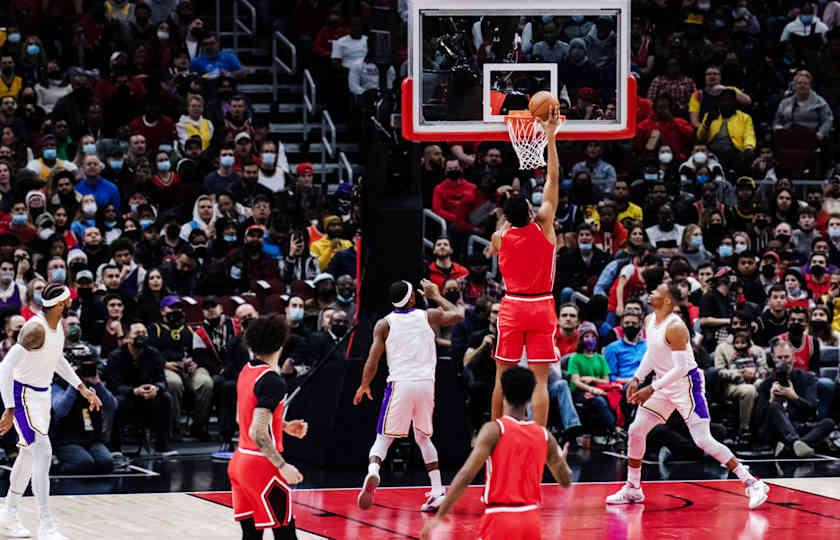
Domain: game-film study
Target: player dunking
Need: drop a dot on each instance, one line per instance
(679, 385)
(26, 375)
(407, 338)
(514, 453)
(259, 475)
(526, 249)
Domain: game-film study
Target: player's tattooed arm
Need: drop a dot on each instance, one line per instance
(31, 337)
(261, 435)
(447, 313)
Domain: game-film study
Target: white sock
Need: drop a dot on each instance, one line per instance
(634, 476)
(437, 486)
(744, 475)
(373, 468)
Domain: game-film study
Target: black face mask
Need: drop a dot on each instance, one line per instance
(339, 329)
(140, 342)
(768, 271)
(761, 223)
(454, 174)
(453, 296)
(666, 223)
(727, 111)
(817, 271)
(253, 247)
(796, 329)
(326, 294)
(715, 228)
(175, 319)
(172, 231)
(783, 238)
(213, 323)
(631, 332)
(819, 326)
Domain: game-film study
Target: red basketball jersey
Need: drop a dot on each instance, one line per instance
(514, 470)
(246, 402)
(526, 261)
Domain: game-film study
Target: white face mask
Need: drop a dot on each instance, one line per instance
(89, 208)
(163, 35)
(700, 158)
(666, 157)
(740, 247)
(43, 234)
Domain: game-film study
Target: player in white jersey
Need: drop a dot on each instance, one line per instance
(26, 375)
(678, 385)
(407, 337)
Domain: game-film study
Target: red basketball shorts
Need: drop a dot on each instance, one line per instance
(259, 491)
(510, 526)
(526, 324)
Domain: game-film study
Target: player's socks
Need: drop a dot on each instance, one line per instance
(373, 468)
(634, 476)
(13, 501)
(744, 475)
(437, 486)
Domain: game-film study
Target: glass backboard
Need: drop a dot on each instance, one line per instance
(471, 61)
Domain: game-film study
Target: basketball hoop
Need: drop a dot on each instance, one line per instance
(528, 138)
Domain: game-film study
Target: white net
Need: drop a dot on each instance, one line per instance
(528, 140)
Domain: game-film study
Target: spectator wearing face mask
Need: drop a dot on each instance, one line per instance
(587, 369)
(728, 131)
(298, 264)
(741, 367)
(12, 293)
(326, 247)
(817, 279)
(692, 248)
(624, 355)
(578, 265)
(663, 128)
(11, 328)
(345, 298)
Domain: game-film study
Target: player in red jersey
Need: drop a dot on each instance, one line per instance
(259, 476)
(514, 452)
(527, 317)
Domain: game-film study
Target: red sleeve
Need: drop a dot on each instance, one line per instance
(437, 204)
(642, 134)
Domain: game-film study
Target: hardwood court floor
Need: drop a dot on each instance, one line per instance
(798, 509)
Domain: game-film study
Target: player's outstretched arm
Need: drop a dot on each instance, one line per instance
(447, 313)
(486, 441)
(377, 349)
(551, 189)
(556, 462)
(261, 435)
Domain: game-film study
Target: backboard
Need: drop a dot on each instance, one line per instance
(472, 61)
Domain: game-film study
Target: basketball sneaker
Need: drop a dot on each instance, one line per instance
(365, 498)
(433, 502)
(627, 495)
(12, 527)
(757, 492)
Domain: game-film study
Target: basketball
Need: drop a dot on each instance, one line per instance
(541, 103)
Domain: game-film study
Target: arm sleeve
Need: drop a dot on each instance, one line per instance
(7, 368)
(270, 391)
(682, 363)
(644, 369)
(64, 370)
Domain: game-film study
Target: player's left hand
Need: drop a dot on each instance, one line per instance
(429, 527)
(429, 289)
(297, 428)
(362, 392)
(6, 421)
(641, 395)
(90, 395)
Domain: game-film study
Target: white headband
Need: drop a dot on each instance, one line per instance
(65, 294)
(405, 298)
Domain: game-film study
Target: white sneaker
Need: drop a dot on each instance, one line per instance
(50, 534)
(433, 502)
(802, 450)
(757, 493)
(627, 495)
(12, 527)
(365, 498)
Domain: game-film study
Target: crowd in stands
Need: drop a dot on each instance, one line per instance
(134, 171)
(729, 188)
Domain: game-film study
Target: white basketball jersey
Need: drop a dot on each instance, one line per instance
(38, 367)
(658, 350)
(410, 346)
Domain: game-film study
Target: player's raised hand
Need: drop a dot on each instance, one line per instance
(6, 421)
(290, 474)
(297, 428)
(429, 289)
(362, 392)
(552, 122)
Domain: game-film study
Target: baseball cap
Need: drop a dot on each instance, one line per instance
(210, 301)
(304, 168)
(745, 181)
(241, 135)
(323, 276)
(169, 301)
(255, 227)
(84, 275)
(44, 219)
(771, 255)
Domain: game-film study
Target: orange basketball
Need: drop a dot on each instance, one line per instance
(541, 103)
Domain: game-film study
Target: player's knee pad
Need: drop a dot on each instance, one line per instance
(427, 448)
(380, 447)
